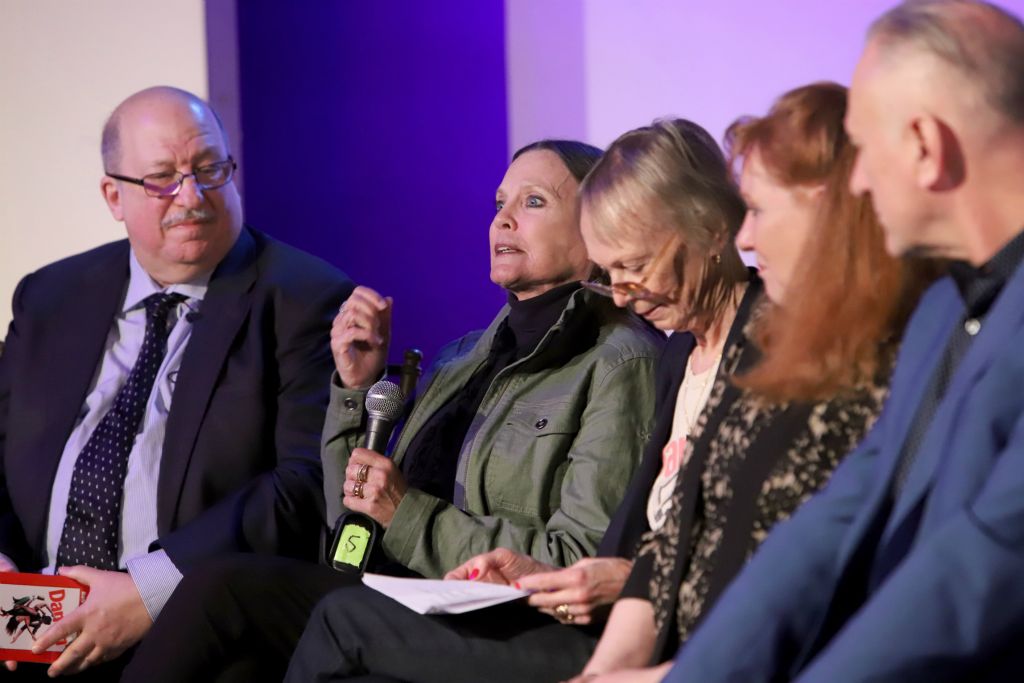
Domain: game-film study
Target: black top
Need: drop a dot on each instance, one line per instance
(433, 455)
(980, 286)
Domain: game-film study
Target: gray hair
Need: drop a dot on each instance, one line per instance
(110, 142)
(984, 42)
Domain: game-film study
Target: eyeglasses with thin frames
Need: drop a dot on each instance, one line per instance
(637, 291)
(169, 183)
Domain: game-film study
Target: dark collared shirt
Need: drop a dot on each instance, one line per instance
(979, 287)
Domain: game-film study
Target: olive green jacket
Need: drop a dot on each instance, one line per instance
(549, 455)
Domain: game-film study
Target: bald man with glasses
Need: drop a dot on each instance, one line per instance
(183, 372)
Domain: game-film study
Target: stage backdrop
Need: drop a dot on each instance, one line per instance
(374, 134)
(63, 67)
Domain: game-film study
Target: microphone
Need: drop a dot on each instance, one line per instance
(355, 534)
(384, 403)
(410, 372)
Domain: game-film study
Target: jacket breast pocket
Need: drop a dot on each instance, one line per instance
(530, 457)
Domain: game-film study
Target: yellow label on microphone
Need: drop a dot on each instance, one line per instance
(352, 544)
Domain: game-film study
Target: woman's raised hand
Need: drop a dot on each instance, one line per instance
(360, 337)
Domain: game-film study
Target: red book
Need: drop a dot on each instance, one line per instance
(30, 604)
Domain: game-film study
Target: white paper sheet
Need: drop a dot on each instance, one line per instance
(429, 596)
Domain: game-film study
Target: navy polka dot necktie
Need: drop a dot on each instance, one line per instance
(94, 502)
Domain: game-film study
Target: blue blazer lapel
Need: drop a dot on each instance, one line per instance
(921, 349)
(1006, 316)
(71, 354)
(223, 312)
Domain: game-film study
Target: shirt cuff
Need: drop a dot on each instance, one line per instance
(155, 577)
(345, 408)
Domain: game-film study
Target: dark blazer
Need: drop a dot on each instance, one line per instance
(943, 600)
(240, 469)
(630, 520)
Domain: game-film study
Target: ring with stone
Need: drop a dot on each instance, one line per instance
(357, 489)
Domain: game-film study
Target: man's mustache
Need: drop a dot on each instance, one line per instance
(188, 216)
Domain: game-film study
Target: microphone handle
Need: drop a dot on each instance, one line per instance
(355, 534)
(378, 433)
(354, 537)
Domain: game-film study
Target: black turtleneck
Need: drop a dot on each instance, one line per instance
(432, 457)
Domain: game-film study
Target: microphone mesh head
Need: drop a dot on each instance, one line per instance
(384, 400)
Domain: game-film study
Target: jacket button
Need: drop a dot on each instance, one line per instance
(541, 423)
(351, 404)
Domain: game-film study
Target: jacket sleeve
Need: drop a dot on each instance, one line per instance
(345, 427)
(640, 575)
(12, 538)
(343, 430)
(430, 536)
(954, 604)
(630, 520)
(773, 607)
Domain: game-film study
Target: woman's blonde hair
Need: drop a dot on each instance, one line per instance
(672, 176)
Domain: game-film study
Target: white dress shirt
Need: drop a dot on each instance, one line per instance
(153, 573)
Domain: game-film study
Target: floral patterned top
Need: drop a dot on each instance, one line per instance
(751, 465)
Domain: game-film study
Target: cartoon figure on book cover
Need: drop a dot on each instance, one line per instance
(27, 614)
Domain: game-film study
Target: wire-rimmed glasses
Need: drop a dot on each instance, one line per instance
(168, 183)
(638, 291)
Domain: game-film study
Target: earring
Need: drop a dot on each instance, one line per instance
(716, 259)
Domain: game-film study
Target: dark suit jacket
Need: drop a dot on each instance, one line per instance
(240, 469)
(943, 600)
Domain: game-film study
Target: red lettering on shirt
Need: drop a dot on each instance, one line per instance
(672, 456)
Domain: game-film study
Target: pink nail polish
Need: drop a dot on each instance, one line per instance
(473, 574)
(518, 587)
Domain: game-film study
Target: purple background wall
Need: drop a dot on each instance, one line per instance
(374, 135)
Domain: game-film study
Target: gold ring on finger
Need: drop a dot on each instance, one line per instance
(363, 474)
(563, 612)
(357, 489)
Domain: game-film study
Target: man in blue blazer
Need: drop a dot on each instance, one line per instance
(225, 455)
(909, 566)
